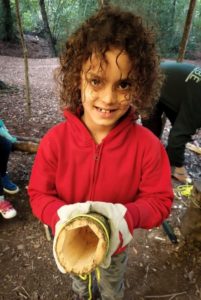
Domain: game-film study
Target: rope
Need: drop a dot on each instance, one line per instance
(186, 191)
(183, 190)
(90, 287)
(89, 277)
(97, 271)
(97, 274)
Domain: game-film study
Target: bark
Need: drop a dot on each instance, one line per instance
(47, 28)
(191, 221)
(187, 29)
(104, 2)
(24, 146)
(25, 55)
(8, 22)
(173, 10)
(172, 21)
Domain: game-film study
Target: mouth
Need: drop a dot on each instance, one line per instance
(104, 110)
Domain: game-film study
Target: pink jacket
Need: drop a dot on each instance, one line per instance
(130, 166)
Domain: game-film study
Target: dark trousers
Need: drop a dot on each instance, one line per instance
(5, 149)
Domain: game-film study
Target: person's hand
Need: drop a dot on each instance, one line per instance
(120, 234)
(181, 174)
(5, 133)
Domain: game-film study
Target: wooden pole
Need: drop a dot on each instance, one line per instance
(25, 54)
(187, 29)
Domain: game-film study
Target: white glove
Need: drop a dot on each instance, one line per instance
(113, 212)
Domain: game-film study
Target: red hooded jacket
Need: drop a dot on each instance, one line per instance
(129, 166)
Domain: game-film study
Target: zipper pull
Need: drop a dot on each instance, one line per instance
(97, 152)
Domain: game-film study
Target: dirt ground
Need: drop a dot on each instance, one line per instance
(157, 269)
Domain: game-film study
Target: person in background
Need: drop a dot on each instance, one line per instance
(6, 185)
(180, 102)
(109, 73)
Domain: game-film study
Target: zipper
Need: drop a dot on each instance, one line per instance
(97, 156)
(97, 152)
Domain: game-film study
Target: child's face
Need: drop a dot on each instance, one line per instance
(105, 89)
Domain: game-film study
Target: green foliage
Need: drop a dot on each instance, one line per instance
(65, 16)
(30, 14)
(167, 18)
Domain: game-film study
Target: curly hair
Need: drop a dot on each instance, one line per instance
(109, 28)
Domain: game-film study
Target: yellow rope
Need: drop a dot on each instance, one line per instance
(90, 287)
(84, 277)
(184, 190)
(97, 271)
(97, 274)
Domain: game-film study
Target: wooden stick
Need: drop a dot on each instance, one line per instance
(27, 139)
(193, 148)
(165, 296)
(29, 147)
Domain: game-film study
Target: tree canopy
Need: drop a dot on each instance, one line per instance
(167, 17)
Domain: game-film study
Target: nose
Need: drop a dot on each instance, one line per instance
(109, 96)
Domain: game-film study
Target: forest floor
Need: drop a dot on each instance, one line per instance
(157, 268)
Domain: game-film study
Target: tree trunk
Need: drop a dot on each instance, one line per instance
(104, 2)
(172, 21)
(47, 28)
(7, 22)
(187, 28)
(191, 221)
(26, 144)
(25, 54)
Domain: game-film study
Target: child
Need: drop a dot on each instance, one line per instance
(6, 185)
(109, 73)
(180, 100)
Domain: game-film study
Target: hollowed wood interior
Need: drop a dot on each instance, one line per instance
(81, 247)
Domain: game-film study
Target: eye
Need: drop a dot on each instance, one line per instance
(95, 82)
(124, 85)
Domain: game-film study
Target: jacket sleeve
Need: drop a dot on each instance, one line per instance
(44, 199)
(187, 122)
(154, 198)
